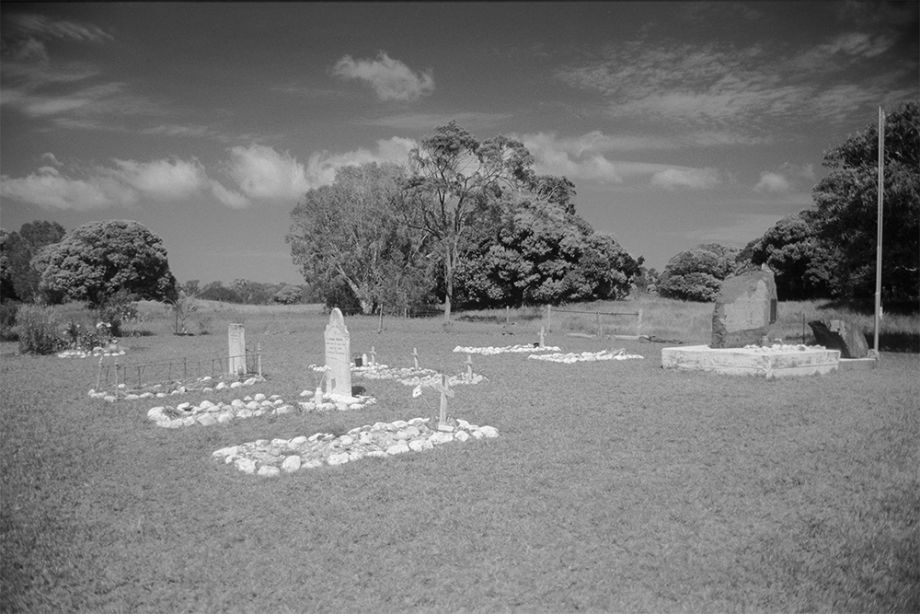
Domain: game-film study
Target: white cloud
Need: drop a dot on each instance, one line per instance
(772, 182)
(229, 198)
(166, 180)
(391, 79)
(691, 178)
(49, 189)
(42, 26)
(265, 174)
(323, 166)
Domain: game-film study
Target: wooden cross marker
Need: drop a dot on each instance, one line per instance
(469, 367)
(415, 357)
(444, 389)
(542, 337)
(373, 356)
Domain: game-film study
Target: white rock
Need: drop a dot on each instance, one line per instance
(205, 405)
(146, 395)
(417, 445)
(291, 463)
(269, 471)
(131, 397)
(110, 398)
(461, 435)
(252, 406)
(284, 409)
(246, 465)
(247, 398)
(338, 458)
(439, 437)
(207, 389)
(206, 378)
(488, 431)
(399, 448)
(224, 417)
(207, 419)
(155, 413)
(399, 424)
(235, 385)
(346, 440)
(477, 434)
(237, 403)
(418, 421)
(274, 397)
(463, 424)
(161, 395)
(223, 452)
(297, 441)
(221, 386)
(244, 413)
(183, 406)
(188, 421)
(250, 381)
(313, 463)
(258, 397)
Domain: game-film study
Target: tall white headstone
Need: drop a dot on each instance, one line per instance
(236, 337)
(338, 346)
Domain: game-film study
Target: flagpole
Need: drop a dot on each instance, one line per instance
(878, 239)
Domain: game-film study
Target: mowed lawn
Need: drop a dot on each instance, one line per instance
(613, 486)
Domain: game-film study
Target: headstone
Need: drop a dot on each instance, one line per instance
(415, 357)
(338, 342)
(444, 389)
(373, 357)
(236, 336)
(745, 309)
(469, 367)
(837, 334)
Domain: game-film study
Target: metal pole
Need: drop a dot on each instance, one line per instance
(549, 316)
(878, 239)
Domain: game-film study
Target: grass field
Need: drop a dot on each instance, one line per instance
(614, 486)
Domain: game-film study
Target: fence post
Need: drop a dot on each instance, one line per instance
(639, 324)
(380, 320)
(507, 314)
(597, 319)
(549, 315)
(259, 358)
(116, 379)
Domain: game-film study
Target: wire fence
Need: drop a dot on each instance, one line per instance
(167, 375)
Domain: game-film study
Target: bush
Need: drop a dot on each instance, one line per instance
(8, 321)
(38, 329)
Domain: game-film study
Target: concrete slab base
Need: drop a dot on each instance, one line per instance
(857, 364)
(764, 362)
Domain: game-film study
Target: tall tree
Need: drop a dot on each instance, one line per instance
(697, 274)
(97, 260)
(846, 207)
(454, 178)
(349, 234)
(21, 248)
(803, 263)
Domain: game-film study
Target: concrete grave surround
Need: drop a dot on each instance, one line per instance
(236, 338)
(775, 362)
(842, 335)
(745, 309)
(338, 350)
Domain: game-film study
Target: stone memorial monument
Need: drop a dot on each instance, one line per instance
(236, 337)
(745, 309)
(338, 368)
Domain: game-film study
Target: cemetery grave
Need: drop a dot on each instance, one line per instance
(97, 352)
(380, 440)
(207, 413)
(573, 357)
(160, 390)
(509, 349)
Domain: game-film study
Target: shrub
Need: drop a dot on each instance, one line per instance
(8, 321)
(38, 329)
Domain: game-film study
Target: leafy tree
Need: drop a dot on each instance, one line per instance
(288, 295)
(216, 291)
(20, 249)
(802, 261)
(846, 204)
(349, 235)
(454, 178)
(697, 274)
(93, 262)
(191, 287)
(7, 292)
(541, 252)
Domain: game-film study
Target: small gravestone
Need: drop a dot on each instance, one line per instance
(236, 336)
(338, 369)
(745, 309)
(837, 334)
(444, 389)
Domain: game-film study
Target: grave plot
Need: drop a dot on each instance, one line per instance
(380, 440)
(509, 349)
(96, 352)
(207, 413)
(160, 390)
(573, 357)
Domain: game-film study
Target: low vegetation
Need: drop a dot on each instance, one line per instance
(612, 486)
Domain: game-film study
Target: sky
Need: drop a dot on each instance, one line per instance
(679, 123)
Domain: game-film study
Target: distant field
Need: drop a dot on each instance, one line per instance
(613, 486)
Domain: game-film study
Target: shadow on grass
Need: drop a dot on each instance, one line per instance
(896, 342)
(867, 306)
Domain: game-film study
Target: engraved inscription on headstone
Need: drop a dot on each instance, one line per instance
(338, 369)
(236, 336)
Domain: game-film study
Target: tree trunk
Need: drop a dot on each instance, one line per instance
(448, 283)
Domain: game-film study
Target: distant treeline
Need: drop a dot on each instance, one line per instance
(251, 292)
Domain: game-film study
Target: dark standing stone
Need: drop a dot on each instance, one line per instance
(745, 309)
(836, 334)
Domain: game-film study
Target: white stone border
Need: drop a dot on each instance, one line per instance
(509, 349)
(380, 440)
(574, 357)
(180, 389)
(410, 376)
